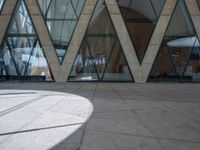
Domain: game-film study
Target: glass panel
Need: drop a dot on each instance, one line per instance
(180, 24)
(140, 33)
(2, 66)
(141, 19)
(8, 61)
(21, 49)
(164, 71)
(158, 5)
(44, 5)
(1, 4)
(78, 5)
(182, 45)
(84, 66)
(180, 57)
(60, 36)
(61, 9)
(24, 59)
(37, 65)
(21, 21)
(100, 48)
(117, 68)
(61, 18)
(21, 57)
(192, 69)
(137, 9)
(101, 22)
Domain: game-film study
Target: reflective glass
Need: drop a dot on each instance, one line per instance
(61, 18)
(182, 50)
(164, 71)
(84, 65)
(180, 24)
(140, 17)
(1, 4)
(21, 22)
(100, 57)
(59, 36)
(140, 33)
(21, 56)
(7, 61)
(116, 67)
(61, 9)
(101, 47)
(158, 5)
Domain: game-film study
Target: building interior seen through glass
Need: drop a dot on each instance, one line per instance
(21, 56)
(179, 55)
(100, 56)
(61, 18)
(140, 17)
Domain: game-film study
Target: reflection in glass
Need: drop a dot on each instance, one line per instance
(1, 4)
(141, 17)
(61, 18)
(21, 56)
(179, 55)
(84, 65)
(21, 22)
(100, 56)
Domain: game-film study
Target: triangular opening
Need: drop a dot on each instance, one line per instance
(61, 18)
(19, 49)
(117, 67)
(180, 23)
(8, 62)
(39, 65)
(181, 42)
(84, 66)
(61, 9)
(21, 22)
(166, 70)
(140, 17)
(103, 46)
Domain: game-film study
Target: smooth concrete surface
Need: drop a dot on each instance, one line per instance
(126, 116)
(39, 120)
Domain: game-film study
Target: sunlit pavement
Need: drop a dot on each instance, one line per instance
(126, 116)
(39, 120)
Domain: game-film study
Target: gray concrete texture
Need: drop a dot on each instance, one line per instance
(130, 116)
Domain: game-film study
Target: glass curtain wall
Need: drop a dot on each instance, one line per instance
(21, 56)
(100, 57)
(61, 18)
(140, 17)
(179, 55)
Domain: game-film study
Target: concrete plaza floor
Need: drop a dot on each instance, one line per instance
(130, 116)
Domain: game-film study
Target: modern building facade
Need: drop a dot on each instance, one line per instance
(100, 40)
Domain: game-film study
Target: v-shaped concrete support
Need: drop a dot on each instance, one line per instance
(141, 72)
(60, 72)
